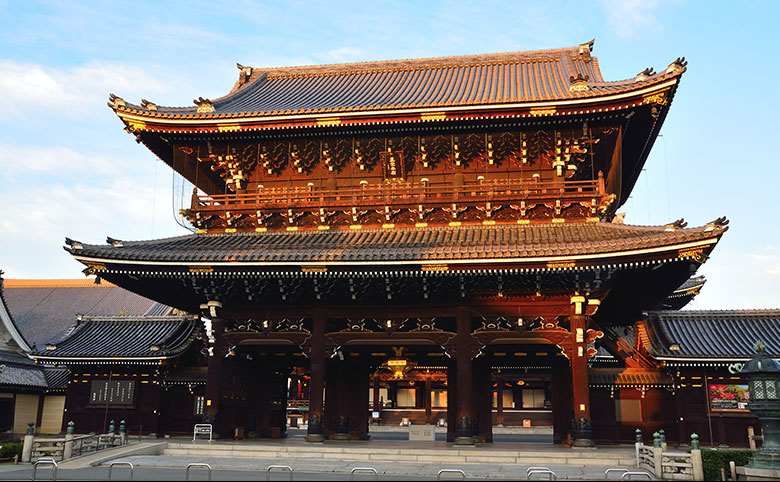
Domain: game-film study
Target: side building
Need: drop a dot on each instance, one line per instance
(28, 392)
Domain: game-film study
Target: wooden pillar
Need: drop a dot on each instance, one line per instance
(377, 406)
(560, 391)
(427, 400)
(483, 403)
(317, 382)
(452, 399)
(500, 403)
(465, 413)
(578, 322)
(356, 384)
(214, 376)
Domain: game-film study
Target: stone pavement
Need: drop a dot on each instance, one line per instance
(408, 460)
(167, 459)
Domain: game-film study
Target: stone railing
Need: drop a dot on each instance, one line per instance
(70, 445)
(669, 465)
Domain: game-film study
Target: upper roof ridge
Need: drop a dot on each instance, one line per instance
(416, 63)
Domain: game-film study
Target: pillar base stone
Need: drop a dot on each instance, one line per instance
(464, 441)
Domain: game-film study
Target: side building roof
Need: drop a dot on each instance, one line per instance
(122, 339)
(684, 337)
(18, 373)
(45, 309)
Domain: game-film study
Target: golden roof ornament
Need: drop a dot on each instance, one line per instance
(579, 83)
(204, 105)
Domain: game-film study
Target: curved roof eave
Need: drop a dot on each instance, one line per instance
(8, 323)
(139, 119)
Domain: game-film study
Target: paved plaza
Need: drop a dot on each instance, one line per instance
(167, 459)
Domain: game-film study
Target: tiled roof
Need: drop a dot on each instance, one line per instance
(627, 376)
(123, 336)
(44, 309)
(712, 334)
(56, 378)
(401, 244)
(22, 374)
(8, 326)
(191, 376)
(683, 295)
(473, 80)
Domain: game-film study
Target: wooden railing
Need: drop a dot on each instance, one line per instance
(399, 195)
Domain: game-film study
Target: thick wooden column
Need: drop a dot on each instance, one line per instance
(560, 391)
(214, 376)
(452, 400)
(483, 403)
(427, 400)
(356, 384)
(465, 412)
(499, 403)
(579, 373)
(317, 382)
(377, 405)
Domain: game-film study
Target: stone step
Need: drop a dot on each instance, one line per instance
(445, 454)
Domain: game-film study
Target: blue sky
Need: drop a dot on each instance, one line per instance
(67, 168)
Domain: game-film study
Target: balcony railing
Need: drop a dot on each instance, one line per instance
(399, 196)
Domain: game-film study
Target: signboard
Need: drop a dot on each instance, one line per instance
(120, 392)
(729, 397)
(202, 429)
(393, 164)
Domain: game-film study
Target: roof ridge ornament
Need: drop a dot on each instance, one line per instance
(148, 105)
(246, 73)
(643, 75)
(677, 67)
(579, 83)
(679, 224)
(719, 223)
(204, 105)
(586, 49)
(115, 102)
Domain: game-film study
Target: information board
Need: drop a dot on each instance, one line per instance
(729, 397)
(119, 392)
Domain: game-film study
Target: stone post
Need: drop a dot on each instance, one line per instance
(663, 439)
(29, 438)
(658, 455)
(67, 451)
(637, 444)
(122, 432)
(698, 466)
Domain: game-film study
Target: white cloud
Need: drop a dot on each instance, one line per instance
(628, 17)
(343, 54)
(23, 159)
(70, 92)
